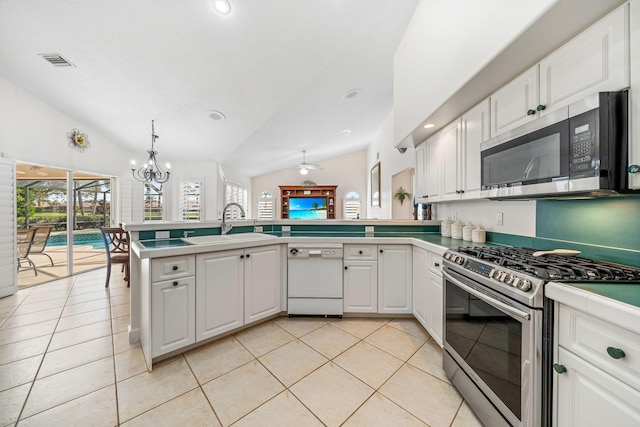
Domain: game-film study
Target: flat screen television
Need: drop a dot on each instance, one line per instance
(307, 208)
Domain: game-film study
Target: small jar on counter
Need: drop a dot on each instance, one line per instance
(478, 235)
(456, 230)
(445, 228)
(467, 232)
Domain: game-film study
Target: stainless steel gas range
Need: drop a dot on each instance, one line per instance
(498, 327)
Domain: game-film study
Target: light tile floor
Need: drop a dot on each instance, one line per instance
(65, 360)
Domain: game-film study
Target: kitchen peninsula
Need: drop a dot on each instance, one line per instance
(173, 260)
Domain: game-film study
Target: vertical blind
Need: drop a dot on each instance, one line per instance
(265, 206)
(352, 206)
(8, 260)
(190, 200)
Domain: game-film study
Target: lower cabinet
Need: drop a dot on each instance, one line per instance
(597, 371)
(173, 310)
(219, 293)
(360, 286)
(394, 279)
(237, 287)
(427, 292)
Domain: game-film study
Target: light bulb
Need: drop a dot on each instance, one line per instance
(221, 6)
(303, 171)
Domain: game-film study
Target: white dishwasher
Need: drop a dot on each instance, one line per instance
(315, 279)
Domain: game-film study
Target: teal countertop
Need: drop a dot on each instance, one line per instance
(628, 293)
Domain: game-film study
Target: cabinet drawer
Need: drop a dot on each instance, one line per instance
(173, 267)
(593, 339)
(361, 252)
(435, 264)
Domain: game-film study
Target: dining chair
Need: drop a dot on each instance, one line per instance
(23, 242)
(116, 243)
(40, 239)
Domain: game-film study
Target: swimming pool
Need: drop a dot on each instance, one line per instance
(92, 239)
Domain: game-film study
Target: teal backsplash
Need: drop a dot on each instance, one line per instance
(604, 228)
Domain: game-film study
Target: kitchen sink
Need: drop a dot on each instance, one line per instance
(227, 238)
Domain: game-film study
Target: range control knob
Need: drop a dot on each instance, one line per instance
(510, 279)
(516, 282)
(493, 274)
(524, 285)
(459, 260)
(502, 276)
(448, 256)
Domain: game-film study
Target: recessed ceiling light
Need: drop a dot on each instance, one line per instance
(221, 6)
(216, 115)
(346, 132)
(352, 93)
(429, 125)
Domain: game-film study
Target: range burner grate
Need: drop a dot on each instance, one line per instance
(553, 267)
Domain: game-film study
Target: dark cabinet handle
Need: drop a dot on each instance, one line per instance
(436, 264)
(561, 369)
(248, 255)
(381, 251)
(241, 256)
(175, 267)
(345, 267)
(175, 283)
(360, 252)
(541, 107)
(616, 353)
(531, 112)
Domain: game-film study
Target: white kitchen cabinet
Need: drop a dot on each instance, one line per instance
(219, 293)
(421, 173)
(435, 299)
(595, 60)
(586, 396)
(262, 283)
(474, 131)
(515, 103)
(360, 287)
(172, 304)
(172, 313)
(451, 152)
(394, 279)
(235, 288)
(433, 184)
(420, 283)
(597, 371)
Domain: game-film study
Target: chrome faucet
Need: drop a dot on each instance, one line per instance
(226, 227)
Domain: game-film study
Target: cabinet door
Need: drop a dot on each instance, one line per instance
(433, 174)
(596, 60)
(360, 287)
(588, 397)
(172, 315)
(219, 292)
(450, 150)
(474, 131)
(394, 279)
(421, 173)
(434, 307)
(262, 282)
(511, 105)
(420, 281)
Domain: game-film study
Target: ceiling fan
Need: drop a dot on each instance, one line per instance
(305, 167)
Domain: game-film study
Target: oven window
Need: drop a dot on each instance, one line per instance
(489, 341)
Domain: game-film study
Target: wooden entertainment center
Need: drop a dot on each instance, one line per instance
(289, 192)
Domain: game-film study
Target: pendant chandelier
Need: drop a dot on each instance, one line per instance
(151, 171)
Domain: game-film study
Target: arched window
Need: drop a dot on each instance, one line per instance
(351, 205)
(265, 205)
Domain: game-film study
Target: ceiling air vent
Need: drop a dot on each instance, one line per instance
(56, 60)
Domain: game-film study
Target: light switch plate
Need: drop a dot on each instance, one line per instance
(499, 219)
(162, 234)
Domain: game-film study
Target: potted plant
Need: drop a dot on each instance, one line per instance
(401, 194)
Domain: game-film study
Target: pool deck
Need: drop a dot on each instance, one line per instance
(85, 258)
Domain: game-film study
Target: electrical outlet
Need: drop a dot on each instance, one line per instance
(162, 234)
(499, 219)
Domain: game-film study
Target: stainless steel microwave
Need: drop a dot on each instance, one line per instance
(579, 150)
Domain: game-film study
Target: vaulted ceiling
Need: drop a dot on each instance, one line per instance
(286, 75)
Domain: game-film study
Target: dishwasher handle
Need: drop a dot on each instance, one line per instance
(315, 252)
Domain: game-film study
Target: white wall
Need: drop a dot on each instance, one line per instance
(348, 172)
(391, 162)
(446, 43)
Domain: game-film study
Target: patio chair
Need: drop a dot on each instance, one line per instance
(40, 239)
(116, 243)
(23, 243)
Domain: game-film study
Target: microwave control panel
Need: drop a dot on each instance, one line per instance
(583, 152)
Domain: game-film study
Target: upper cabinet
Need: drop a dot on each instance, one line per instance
(596, 60)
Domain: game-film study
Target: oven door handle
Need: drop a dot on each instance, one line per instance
(494, 302)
